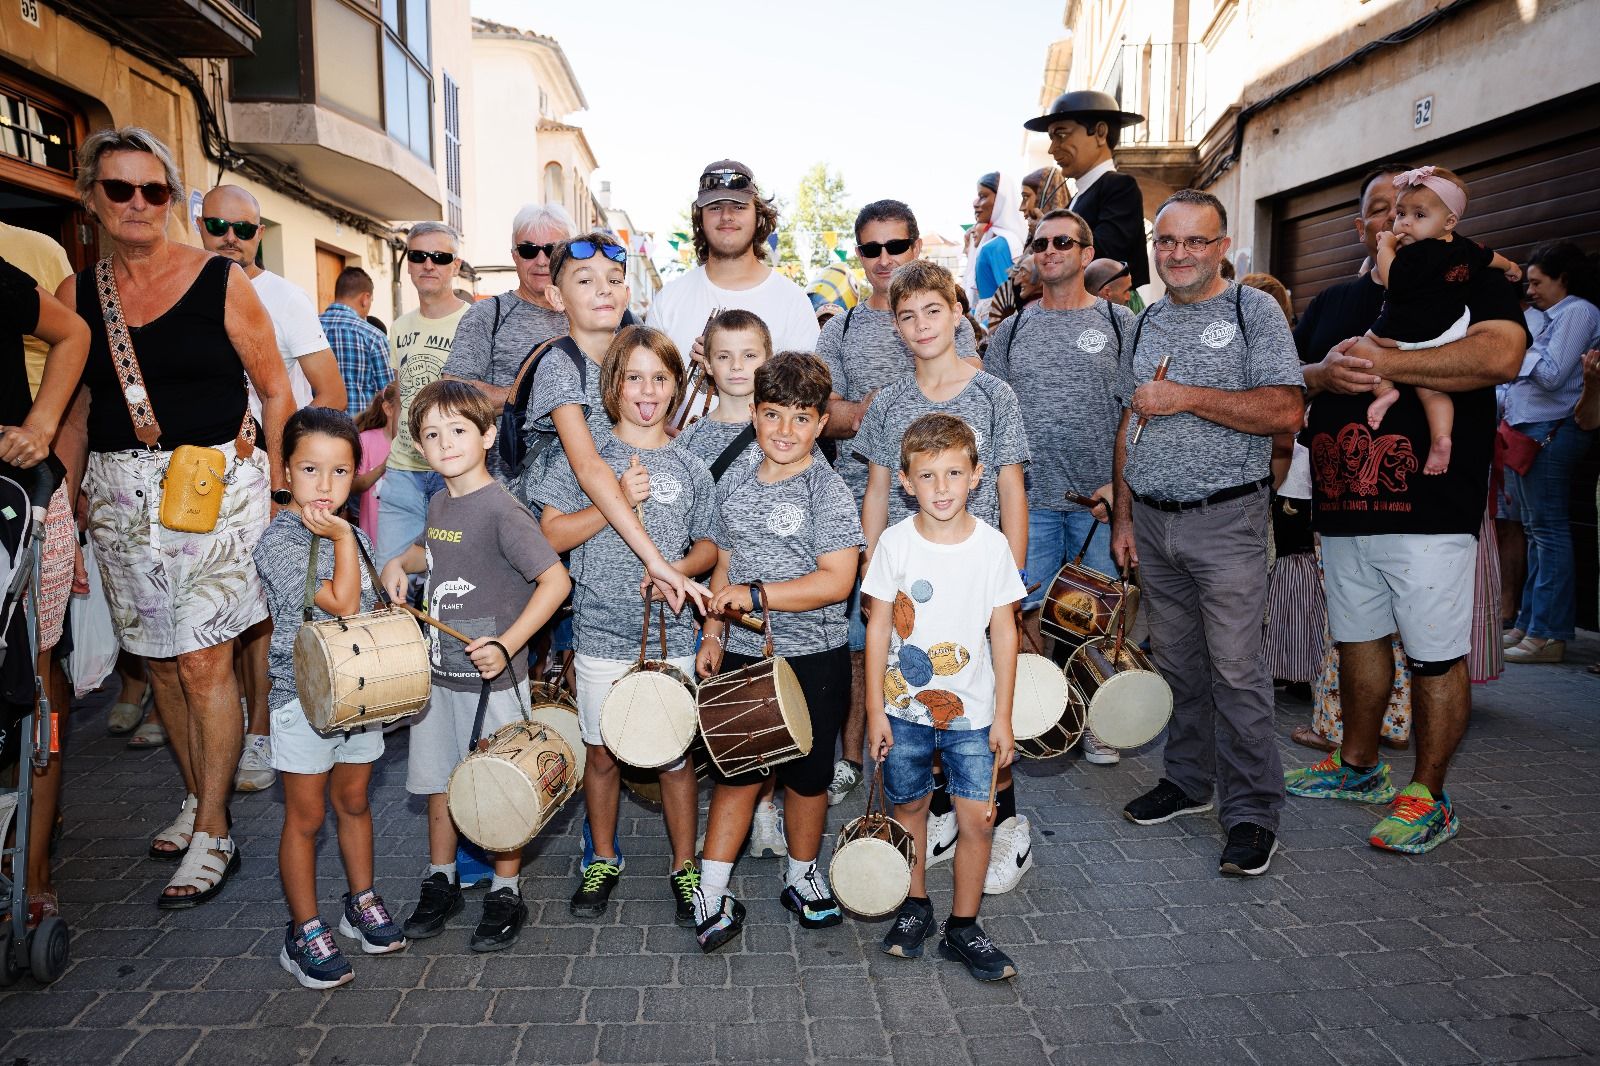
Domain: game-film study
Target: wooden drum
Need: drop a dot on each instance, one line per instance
(871, 867)
(1083, 604)
(505, 792)
(648, 718)
(1129, 701)
(363, 670)
(754, 718)
(1047, 710)
(554, 708)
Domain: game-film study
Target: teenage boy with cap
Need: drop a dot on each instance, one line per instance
(1084, 128)
(731, 224)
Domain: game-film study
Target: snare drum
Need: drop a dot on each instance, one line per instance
(1047, 710)
(754, 718)
(648, 718)
(1129, 701)
(363, 670)
(1084, 603)
(871, 867)
(505, 792)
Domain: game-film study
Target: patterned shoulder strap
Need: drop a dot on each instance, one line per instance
(123, 361)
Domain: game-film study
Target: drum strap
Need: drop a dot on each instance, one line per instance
(735, 448)
(312, 583)
(766, 615)
(483, 699)
(644, 637)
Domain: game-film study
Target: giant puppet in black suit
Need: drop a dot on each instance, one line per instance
(1084, 127)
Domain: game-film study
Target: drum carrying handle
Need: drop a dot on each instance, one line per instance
(312, 583)
(661, 615)
(766, 616)
(483, 699)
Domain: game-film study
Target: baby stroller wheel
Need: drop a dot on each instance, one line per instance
(48, 949)
(9, 970)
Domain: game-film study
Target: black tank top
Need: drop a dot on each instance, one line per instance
(193, 375)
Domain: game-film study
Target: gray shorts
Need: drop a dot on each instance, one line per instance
(441, 735)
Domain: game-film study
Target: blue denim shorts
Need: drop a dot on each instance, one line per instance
(908, 770)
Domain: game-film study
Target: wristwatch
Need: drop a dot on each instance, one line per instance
(282, 497)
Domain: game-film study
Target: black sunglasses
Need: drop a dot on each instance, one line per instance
(587, 249)
(217, 227)
(1060, 242)
(724, 179)
(156, 193)
(528, 250)
(873, 249)
(443, 259)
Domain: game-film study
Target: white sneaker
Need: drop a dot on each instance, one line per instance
(942, 830)
(255, 764)
(1010, 856)
(766, 833)
(1097, 753)
(845, 778)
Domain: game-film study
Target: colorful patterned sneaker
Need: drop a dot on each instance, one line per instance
(971, 947)
(366, 919)
(1331, 779)
(311, 955)
(594, 890)
(1416, 823)
(684, 881)
(913, 923)
(812, 901)
(719, 926)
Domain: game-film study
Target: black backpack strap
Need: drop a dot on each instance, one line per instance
(494, 331)
(734, 449)
(848, 315)
(1116, 327)
(1016, 327)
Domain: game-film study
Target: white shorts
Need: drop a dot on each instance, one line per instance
(1419, 585)
(442, 734)
(299, 749)
(593, 678)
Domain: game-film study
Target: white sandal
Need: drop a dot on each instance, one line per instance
(178, 833)
(202, 868)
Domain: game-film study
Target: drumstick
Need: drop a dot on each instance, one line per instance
(994, 783)
(1161, 372)
(428, 619)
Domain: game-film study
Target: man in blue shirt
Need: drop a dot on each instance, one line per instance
(361, 350)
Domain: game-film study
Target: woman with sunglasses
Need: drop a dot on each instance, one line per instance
(197, 331)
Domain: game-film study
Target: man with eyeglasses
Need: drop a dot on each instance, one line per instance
(731, 224)
(1084, 128)
(1209, 375)
(1110, 280)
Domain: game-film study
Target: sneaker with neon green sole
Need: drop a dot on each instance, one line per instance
(1416, 823)
(1332, 779)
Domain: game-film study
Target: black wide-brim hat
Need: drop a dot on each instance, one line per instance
(1083, 104)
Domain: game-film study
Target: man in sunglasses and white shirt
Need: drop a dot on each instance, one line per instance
(731, 224)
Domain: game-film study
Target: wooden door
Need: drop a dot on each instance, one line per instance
(329, 264)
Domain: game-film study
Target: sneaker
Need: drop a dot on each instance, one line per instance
(312, 956)
(594, 890)
(255, 772)
(683, 883)
(942, 831)
(1162, 804)
(846, 776)
(440, 901)
(588, 849)
(366, 919)
(1416, 823)
(1331, 779)
(1097, 753)
(503, 915)
(812, 901)
(971, 947)
(717, 927)
(1249, 851)
(1010, 856)
(766, 833)
(473, 868)
(913, 923)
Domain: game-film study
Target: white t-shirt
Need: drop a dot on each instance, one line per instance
(940, 673)
(295, 325)
(682, 306)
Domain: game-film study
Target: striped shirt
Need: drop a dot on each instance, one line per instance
(362, 352)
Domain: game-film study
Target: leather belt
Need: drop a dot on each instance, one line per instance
(1220, 496)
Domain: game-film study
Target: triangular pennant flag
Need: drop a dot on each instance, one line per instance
(830, 239)
(844, 256)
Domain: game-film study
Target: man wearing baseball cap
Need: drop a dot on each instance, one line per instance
(731, 223)
(1084, 128)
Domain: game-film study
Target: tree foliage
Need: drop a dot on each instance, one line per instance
(821, 206)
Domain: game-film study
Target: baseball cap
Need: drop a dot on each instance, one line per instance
(726, 179)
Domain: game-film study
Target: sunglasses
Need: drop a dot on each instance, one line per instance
(156, 193)
(528, 250)
(1060, 242)
(587, 250)
(217, 227)
(873, 249)
(724, 179)
(443, 259)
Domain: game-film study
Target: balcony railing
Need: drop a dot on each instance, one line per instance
(1166, 84)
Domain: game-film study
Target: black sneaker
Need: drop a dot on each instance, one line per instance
(971, 947)
(594, 890)
(1162, 804)
(683, 883)
(1249, 851)
(719, 926)
(441, 900)
(913, 923)
(503, 915)
(814, 906)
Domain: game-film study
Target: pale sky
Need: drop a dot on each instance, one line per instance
(909, 99)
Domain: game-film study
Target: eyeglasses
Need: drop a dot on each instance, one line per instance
(1192, 244)
(724, 179)
(587, 249)
(156, 193)
(443, 259)
(1060, 242)
(873, 249)
(529, 250)
(218, 227)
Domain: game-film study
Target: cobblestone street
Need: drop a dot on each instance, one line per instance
(1131, 948)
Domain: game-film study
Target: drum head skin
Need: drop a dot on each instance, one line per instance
(563, 720)
(649, 719)
(1130, 709)
(792, 702)
(501, 799)
(870, 877)
(312, 675)
(1040, 697)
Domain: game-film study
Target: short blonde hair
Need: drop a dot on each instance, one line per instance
(935, 433)
(923, 275)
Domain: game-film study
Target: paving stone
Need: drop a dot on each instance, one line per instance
(469, 1045)
(1512, 1039)
(381, 1045)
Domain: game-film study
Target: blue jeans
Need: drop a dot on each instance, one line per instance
(403, 510)
(1544, 495)
(964, 753)
(1054, 537)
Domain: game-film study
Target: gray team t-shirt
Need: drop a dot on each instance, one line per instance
(1184, 457)
(681, 509)
(867, 356)
(484, 552)
(1067, 363)
(776, 533)
(282, 555)
(987, 404)
(555, 384)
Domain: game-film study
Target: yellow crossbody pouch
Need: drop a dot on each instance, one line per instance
(192, 489)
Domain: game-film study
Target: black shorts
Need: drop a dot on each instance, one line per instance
(824, 677)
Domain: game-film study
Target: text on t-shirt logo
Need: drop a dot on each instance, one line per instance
(1218, 334)
(1091, 341)
(665, 487)
(785, 520)
(451, 535)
